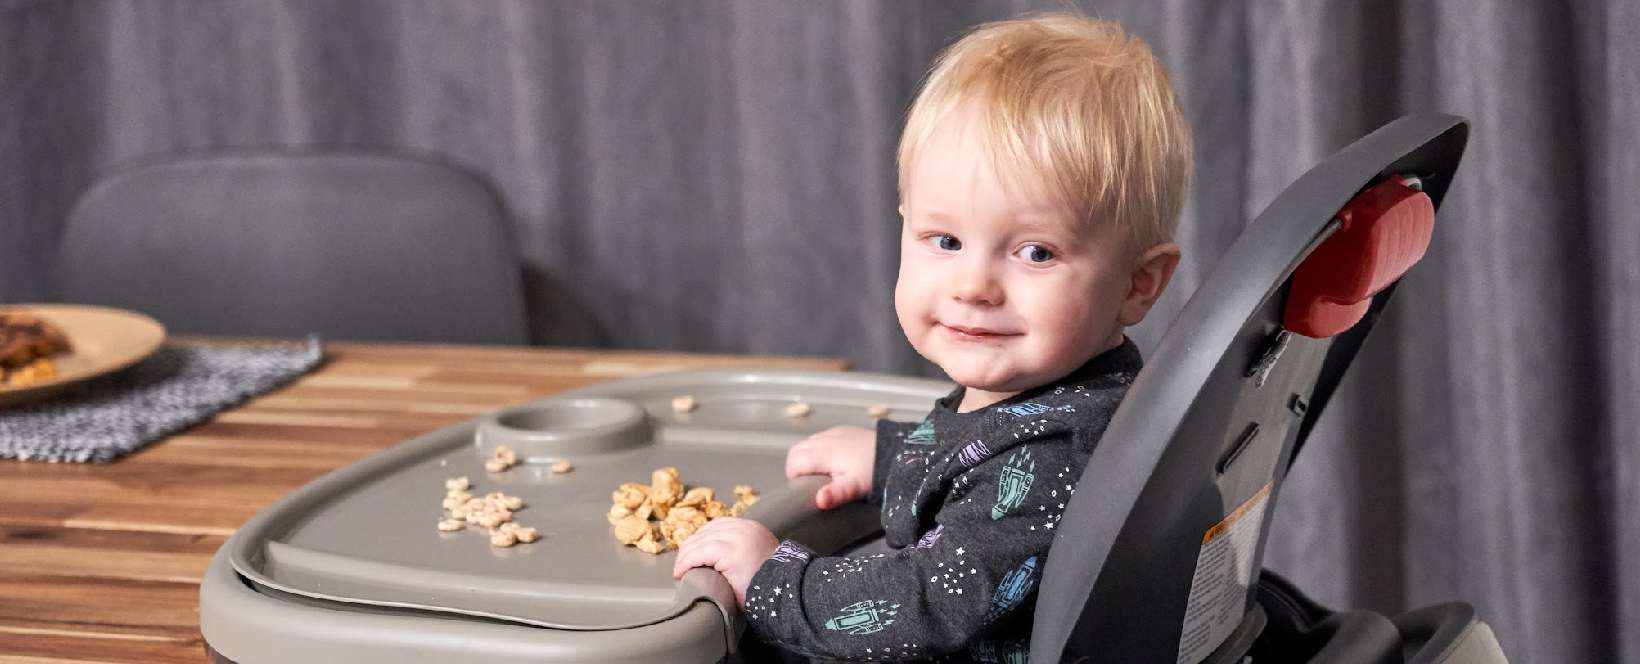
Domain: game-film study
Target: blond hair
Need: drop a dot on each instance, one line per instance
(1076, 101)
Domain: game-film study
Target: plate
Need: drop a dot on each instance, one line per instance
(103, 340)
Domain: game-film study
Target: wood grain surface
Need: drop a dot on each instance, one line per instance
(102, 562)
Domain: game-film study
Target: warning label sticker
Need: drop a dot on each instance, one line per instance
(1224, 572)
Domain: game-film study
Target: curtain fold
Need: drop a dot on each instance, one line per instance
(719, 176)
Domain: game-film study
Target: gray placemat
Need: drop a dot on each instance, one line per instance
(175, 388)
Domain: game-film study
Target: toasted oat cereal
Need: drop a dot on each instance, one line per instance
(715, 509)
(648, 544)
(878, 411)
(631, 495)
(659, 516)
(666, 479)
(526, 534)
(502, 539)
(799, 409)
(496, 466)
(562, 467)
(697, 496)
(494, 512)
(683, 404)
(664, 490)
(630, 530)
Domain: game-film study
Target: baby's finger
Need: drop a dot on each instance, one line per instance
(826, 497)
(802, 460)
(838, 492)
(693, 553)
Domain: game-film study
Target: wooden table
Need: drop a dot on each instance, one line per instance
(102, 563)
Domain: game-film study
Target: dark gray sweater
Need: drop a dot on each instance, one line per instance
(970, 501)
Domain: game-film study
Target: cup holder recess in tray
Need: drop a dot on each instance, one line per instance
(553, 429)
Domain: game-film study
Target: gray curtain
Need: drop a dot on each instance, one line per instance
(718, 176)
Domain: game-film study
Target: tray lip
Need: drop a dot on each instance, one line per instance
(244, 547)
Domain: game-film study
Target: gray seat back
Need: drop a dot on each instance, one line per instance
(347, 245)
(1158, 556)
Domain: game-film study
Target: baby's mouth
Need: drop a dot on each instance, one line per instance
(963, 333)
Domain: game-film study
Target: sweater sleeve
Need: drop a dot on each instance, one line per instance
(890, 438)
(976, 568)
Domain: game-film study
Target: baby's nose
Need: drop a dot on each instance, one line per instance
(977, 284)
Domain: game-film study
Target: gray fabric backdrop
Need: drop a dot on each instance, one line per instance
(718, 176)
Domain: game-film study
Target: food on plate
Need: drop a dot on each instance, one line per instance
(27, 345)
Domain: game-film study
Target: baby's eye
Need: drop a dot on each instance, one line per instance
(946, 242)
(1035, 253)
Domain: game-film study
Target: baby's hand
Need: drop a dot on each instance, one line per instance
(844, 453)
(733, 546)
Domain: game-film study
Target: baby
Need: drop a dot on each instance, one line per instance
(1042, 169)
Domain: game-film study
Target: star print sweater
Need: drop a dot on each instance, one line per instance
(970, 504)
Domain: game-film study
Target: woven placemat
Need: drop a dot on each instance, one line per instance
(173, 389)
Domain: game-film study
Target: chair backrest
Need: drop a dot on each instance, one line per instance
(346, 245)
(1162, 562)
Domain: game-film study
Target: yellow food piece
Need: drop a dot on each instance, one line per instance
(631, 495)
(661, 515)
(699, 495)
(715, 509)
(630, 530)
(798, 409)
(683, 404)
(648, 544)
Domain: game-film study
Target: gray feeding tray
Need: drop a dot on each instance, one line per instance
(350, 568)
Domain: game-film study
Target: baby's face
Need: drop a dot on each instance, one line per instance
(996, 286)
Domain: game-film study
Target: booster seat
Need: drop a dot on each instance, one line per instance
(1162, 568)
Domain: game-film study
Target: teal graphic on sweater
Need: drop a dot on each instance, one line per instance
(924, 435)
(864, 617)
(1015, 482)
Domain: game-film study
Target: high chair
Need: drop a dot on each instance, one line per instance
(1164, 561)
(1163, 564)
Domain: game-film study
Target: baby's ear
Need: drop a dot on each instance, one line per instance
(1150, 276)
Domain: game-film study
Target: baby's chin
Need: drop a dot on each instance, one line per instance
(989, 379)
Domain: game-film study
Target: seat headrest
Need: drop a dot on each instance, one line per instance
(1384, 231)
